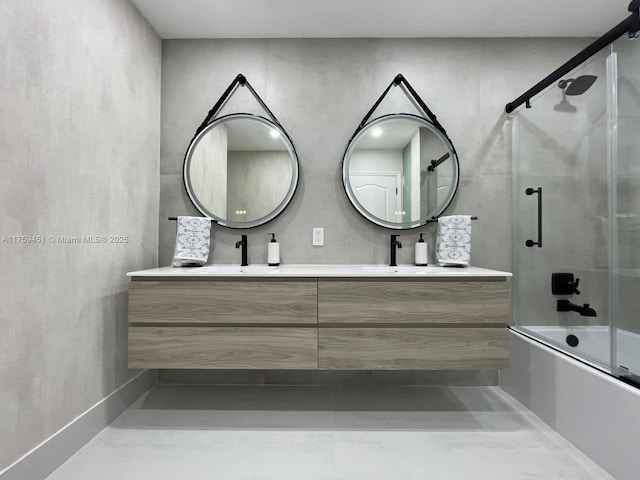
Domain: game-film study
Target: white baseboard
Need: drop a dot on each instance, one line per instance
(594, 411)
(40, 462)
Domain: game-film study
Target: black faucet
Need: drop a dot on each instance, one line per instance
(394, 243)
(567, 306)
(243, 243)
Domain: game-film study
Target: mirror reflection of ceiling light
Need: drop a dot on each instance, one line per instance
(275, 133)
(376, 132)
(241, 212)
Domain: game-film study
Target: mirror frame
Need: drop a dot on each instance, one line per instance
(295, 171)
(361, 131)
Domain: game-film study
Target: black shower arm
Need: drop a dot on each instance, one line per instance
(630, 25)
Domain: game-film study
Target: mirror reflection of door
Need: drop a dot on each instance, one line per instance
(418, 160)
(379, 194)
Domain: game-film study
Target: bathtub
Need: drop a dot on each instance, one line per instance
(593, 345)
(595, 411)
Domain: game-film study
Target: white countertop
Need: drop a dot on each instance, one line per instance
(371, 271)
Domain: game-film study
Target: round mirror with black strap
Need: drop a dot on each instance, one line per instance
(240, 170)
(400, 170)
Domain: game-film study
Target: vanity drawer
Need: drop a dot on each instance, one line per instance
(439, 348)
(223, 347)
(225, 301)
(413, 301)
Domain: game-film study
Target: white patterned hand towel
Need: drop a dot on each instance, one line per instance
(193, 237)
(453, 244)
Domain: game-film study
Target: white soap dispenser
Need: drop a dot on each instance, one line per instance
(273, 251)
(422, 259)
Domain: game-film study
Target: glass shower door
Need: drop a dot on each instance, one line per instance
(560, 156)
(626, 209)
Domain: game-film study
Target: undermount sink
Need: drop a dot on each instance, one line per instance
(258, 269)
(378, 269)
(315, 269)
(396, 269)
(233, 269)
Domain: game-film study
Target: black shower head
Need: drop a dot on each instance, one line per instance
(577, 86)
(573, 87)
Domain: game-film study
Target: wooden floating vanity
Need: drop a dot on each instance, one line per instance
(319, 317)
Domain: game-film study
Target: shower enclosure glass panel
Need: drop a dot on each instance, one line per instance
(626, 205)
(561, 147)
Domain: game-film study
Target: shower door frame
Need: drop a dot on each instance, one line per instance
(613, 271)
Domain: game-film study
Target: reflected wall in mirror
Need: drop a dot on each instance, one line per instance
(400, 171)
(241, 170)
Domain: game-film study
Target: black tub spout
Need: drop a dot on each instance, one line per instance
(585, 310)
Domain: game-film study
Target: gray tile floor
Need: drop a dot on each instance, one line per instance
(284, 432)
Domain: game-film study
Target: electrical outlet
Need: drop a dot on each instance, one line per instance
(317, 239)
